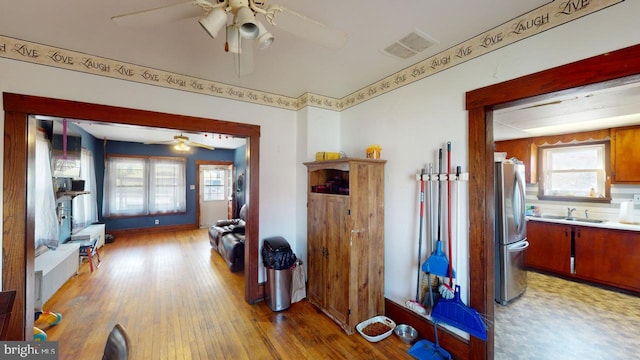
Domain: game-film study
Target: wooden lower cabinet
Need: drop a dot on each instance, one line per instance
(604, 256)
(345, 239)
(549, 247)
(608, 256)
(329, 288)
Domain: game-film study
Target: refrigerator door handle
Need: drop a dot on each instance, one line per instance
(519, 246)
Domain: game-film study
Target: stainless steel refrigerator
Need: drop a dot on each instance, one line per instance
(510, 230)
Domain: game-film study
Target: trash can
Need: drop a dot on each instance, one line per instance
(278, 259)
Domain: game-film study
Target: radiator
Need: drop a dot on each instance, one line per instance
(53, 269)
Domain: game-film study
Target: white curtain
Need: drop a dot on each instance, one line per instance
(167, 185)
(85, 207)
(46, 219)
(143, 186)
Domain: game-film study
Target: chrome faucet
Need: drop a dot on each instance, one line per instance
(570, 212)
(586, 213)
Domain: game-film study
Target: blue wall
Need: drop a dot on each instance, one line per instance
(127, 148)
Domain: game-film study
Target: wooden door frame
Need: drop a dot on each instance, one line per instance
(198, 164)
(605, 70)
(18, 170)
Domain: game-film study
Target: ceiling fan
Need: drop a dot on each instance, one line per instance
(242, 24)
(181, 143)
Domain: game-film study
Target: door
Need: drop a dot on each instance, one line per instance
(513, 204)
(337, 265)
(550, 247)
(514, 277)
(316, 249)
(214, 193)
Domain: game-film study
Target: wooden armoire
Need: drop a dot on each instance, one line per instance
(345, 239)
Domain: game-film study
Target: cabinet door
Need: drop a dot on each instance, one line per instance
(608, 256)
(337, 262)
(549, 247)
(316, 249)
(524, 150)
(625, 155)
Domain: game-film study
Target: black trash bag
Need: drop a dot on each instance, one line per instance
(277, 254)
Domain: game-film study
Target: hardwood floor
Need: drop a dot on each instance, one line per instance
(178, 300)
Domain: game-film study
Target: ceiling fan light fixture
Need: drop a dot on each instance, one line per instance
(246, 21)
(214, 21)
(182, 147)
(265, 38)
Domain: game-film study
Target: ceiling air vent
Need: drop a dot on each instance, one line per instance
(410, 45)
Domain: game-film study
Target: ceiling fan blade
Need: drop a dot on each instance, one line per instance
(243, 61)
(159, 142)
(193, 143)
(304, 27)
(159, 16)
(242, 50)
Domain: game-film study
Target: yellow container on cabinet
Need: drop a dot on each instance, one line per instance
(323, 155)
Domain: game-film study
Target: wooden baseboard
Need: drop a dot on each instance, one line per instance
(455, 345)
(154, 229)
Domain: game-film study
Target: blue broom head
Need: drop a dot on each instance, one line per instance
(426, 350)
(455, 313)
(437, 263)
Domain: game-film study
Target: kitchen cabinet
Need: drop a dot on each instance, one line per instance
(625, 155)
(345, 239)
(601, 255)
(608, 256)
(549, 247)
(524, 150)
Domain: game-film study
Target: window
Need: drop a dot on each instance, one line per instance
(137, 186)
(213, 184)
(576, 172)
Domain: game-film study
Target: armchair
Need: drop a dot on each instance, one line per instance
(227, 237)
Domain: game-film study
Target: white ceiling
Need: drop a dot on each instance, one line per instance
(291, 66)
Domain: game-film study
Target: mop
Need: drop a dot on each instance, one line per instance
(415, 305)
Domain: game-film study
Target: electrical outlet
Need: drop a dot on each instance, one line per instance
(636, 198)
(157, 221)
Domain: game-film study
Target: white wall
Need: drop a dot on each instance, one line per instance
(318, 130)
(413, 121)
(278, 127)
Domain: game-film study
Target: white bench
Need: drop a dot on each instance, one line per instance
(52, 269)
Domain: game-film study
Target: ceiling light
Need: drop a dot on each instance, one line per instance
(182, 147)
(246, 21)
(264, 37)
(214, 21)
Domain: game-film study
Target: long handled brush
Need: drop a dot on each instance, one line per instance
(437, 264)
(446, 290)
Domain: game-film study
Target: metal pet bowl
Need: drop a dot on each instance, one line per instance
(406, 333)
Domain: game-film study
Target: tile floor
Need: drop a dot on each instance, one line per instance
(566, 320)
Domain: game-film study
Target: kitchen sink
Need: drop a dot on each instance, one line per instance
(562, 217)
(557, 217)
(596, 221)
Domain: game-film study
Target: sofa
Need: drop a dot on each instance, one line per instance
(227, 238)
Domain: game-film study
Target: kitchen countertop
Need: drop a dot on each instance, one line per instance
(606, 224)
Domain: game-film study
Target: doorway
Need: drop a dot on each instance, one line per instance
(18, 201)
(215, 193)
(610, 69)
